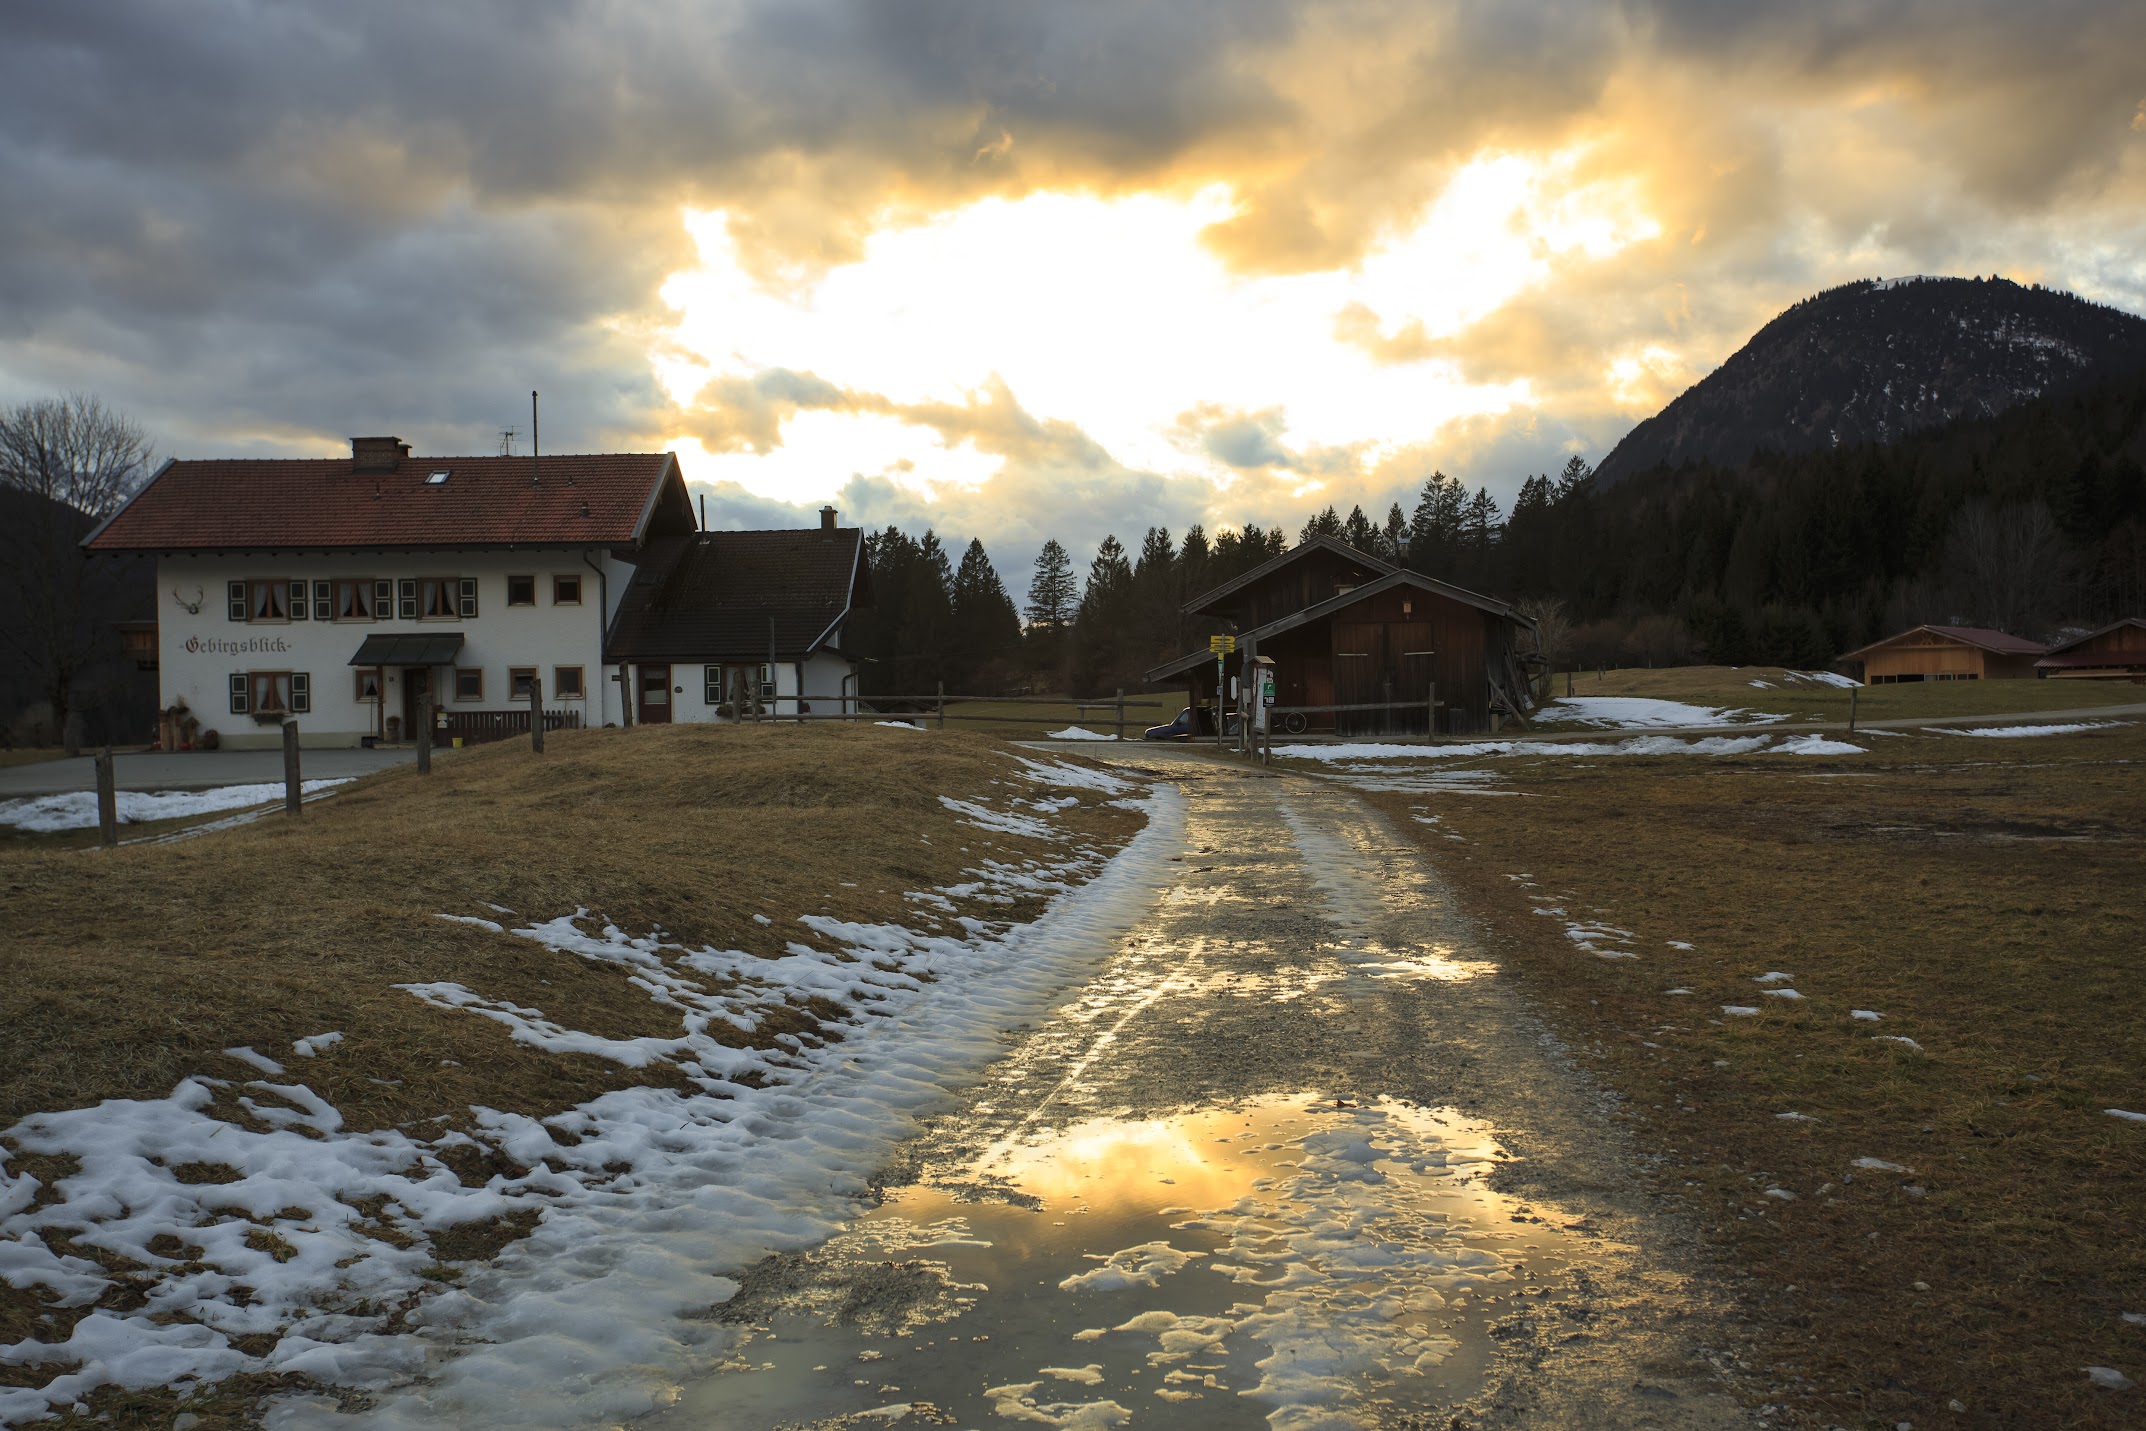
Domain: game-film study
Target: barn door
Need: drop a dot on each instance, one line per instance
(1412, 659)
(1359, 675)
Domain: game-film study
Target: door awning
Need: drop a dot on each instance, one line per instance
(408, 650)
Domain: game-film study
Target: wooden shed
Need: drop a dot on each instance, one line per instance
(1349, 630)
(1945, 653)
(2117, 652)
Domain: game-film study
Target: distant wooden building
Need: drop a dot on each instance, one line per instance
(2117, 652)
(1945, 653)
(1346, 629)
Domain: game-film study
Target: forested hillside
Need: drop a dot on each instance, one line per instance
(1877, 361)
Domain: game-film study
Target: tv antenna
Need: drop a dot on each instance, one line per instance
(506, 441)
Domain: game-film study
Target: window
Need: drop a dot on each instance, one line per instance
(566, 682)
(354, 597)
(268, 600)
(521, 591)
(438, 476)
(271, 693)
(368, 684)
(439, 598)
(519, 679)
(469, 683)
(566, 591)
(323, 600)
(716, 682)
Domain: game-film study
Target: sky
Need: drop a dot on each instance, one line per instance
(1016, 269)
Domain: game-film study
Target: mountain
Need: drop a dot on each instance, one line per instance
(1875, 360)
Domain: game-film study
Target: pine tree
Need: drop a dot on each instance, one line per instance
(1434, 531)
(1326, 524)
(1101, 637)
(1051, 593)
(1393, 540)
(987, 629)
(1358, 532)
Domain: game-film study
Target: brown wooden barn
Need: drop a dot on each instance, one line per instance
(1945, 653)
(1347, 629)
(2117, 652)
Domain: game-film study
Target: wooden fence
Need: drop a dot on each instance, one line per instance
(476, 727)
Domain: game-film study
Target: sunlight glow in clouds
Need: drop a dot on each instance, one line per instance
(1111, 314)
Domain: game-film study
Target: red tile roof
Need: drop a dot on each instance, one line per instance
(602, 499)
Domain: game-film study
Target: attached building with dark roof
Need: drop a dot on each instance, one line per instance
(1360, 646)
(718, 619)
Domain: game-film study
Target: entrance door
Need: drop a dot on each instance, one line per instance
(655, 704)
(416, 680)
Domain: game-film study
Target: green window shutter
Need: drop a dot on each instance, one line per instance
(298, 601)
(235, 600)
(383, 599)
(711, 681)
(238, 693)
(406, 593)
(301, 692)
(323, 600)
(468, 602)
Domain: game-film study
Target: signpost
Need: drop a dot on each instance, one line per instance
(1222, 646)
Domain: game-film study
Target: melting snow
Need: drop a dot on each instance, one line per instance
(77, 810)
(1645, 712)
(1074, 732)
(2013, 732)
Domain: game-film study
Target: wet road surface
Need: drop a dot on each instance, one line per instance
(1297, 1157)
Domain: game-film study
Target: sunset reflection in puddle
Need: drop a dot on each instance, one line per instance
(1310, 1264)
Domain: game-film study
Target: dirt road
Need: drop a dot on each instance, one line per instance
(1297, 1157)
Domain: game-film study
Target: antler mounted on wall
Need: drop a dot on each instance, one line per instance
(193, 607)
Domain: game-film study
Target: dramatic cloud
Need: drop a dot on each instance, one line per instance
(1017, 267)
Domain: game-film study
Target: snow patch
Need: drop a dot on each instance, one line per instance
(77, 809)
(2015, 732)
(1075, 732)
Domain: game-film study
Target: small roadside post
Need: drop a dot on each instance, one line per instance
(536, 715)
(107, 799)
(1221, 646)
(291, 782)
(1121, 713)
(424, 730)
(1851, 708)
(942, 705)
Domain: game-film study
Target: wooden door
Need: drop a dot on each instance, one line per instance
(1413, 650)
(416, 680)
(1359, 669)
(655, 701)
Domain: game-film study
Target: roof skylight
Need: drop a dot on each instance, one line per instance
(438, 476)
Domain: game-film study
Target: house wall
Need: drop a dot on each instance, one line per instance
(828, 677)
(198, 652)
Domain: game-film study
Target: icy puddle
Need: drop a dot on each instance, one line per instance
(1308, 1264)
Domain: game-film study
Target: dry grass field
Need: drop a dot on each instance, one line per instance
(125, 970)
(1982, 895)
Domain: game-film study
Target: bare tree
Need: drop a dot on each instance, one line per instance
(1553, 629)
(2010, 566)
(69, 463)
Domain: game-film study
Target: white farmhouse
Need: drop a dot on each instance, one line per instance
(341, 592)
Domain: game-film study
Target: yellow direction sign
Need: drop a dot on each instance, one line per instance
(1221, 645)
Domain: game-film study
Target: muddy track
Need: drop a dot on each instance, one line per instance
(1297, 1156)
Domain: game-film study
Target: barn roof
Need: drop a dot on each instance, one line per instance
(2002, 643)
(325, 504)
(2065, 649)
(1297, 553)
(732, 595)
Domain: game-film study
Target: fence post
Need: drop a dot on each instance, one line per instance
(1851, 710)
(942, 705)
(107, 799)
(536, 714)
(1430, 715)
(1121, 712)
(424, 730)
(292, 785)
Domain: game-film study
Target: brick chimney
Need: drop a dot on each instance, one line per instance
(827, 521)
(377, 454)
